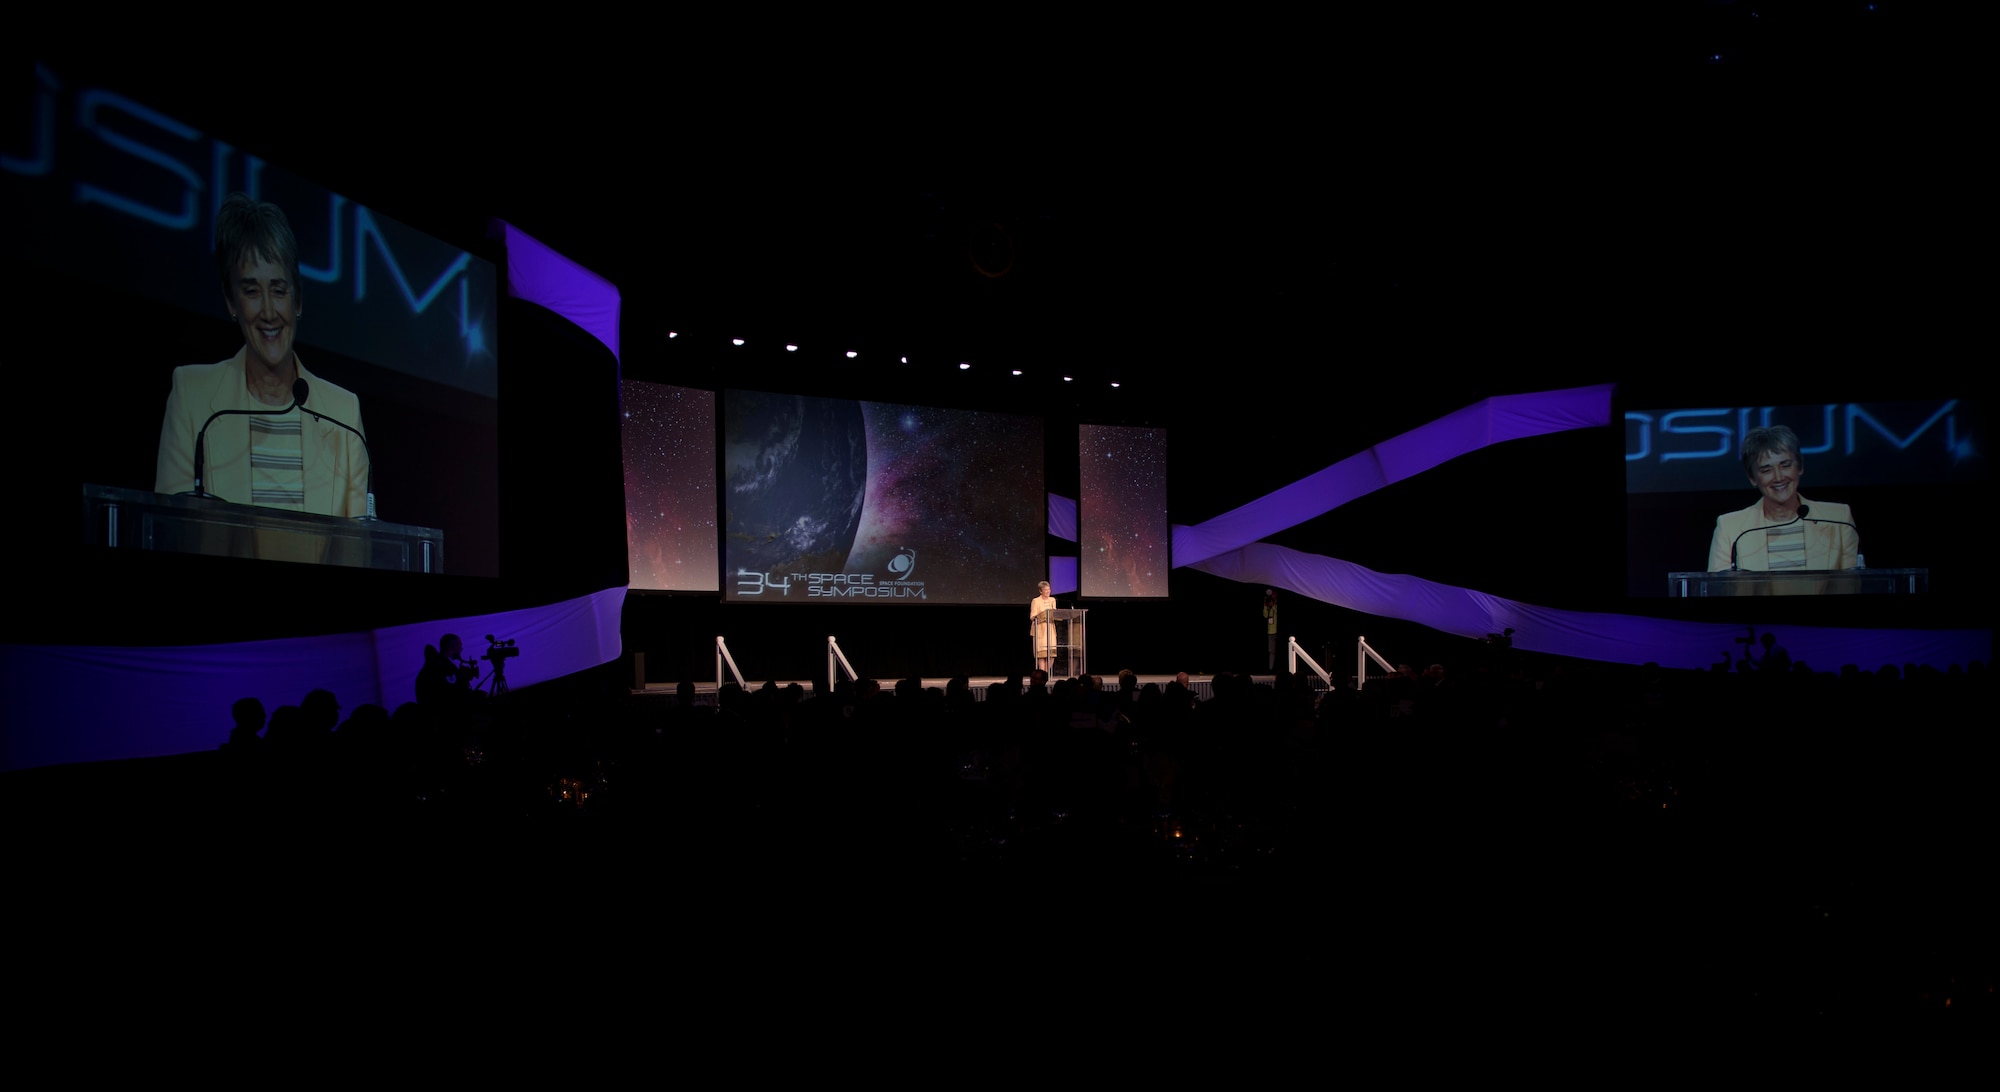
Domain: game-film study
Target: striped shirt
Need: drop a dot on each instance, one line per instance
(277, 462)
(1785, 547)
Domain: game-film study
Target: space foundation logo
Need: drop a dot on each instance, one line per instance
(896, 584)
(860, 586)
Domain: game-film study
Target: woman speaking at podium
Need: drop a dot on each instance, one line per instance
(1783, 530)
(1042, 626)
(260, 448)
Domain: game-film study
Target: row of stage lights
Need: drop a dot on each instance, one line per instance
(963, 365)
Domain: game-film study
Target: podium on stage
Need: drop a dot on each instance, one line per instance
(139, 519)
(1799, 582)
(1068, 622)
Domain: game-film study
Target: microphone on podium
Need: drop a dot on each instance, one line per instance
(299, 391)
(201, 437)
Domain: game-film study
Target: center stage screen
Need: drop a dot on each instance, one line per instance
(829, 500)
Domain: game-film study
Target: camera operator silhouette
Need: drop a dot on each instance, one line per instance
(446, 678)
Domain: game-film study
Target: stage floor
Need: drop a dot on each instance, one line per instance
(705, 691)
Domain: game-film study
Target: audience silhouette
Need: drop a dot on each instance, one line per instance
(1615, 794)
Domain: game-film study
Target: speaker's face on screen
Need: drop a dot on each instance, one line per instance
(1777, 476)
(266, 306)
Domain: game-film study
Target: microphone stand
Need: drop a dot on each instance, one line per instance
(368, 513)
(1858, 560)
(201, 437)
(1766, 527)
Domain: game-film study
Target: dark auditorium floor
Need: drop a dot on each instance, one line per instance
(1571, 853)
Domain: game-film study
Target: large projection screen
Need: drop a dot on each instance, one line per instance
(669, 442)
(1890, 470)
(1124, 539)
(110, 213)
(828, 500)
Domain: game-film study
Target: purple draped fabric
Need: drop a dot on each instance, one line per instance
(540, 275)
(1617, 638)
(84, 704)
(1062, 576)
(1062, 518)
(1496, 420)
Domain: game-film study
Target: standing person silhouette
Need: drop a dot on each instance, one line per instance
(1042, 627)
(446, 678)
(1270, 629)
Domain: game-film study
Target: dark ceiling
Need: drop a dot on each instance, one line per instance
(1493, 198)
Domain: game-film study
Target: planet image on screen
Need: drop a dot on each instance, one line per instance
(796, 474)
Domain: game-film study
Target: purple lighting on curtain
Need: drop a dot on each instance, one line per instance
(1062, 518)
(1616, 638)
(86, 704)
(1062, 524)
(540, 275)
(1062, 575)
(556, 640)
(1496, 420)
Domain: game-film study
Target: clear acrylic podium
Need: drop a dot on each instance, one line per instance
(140, 519)
(1069, 659)
(1799, 582)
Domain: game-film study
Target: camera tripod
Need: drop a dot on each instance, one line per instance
(495, 684)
